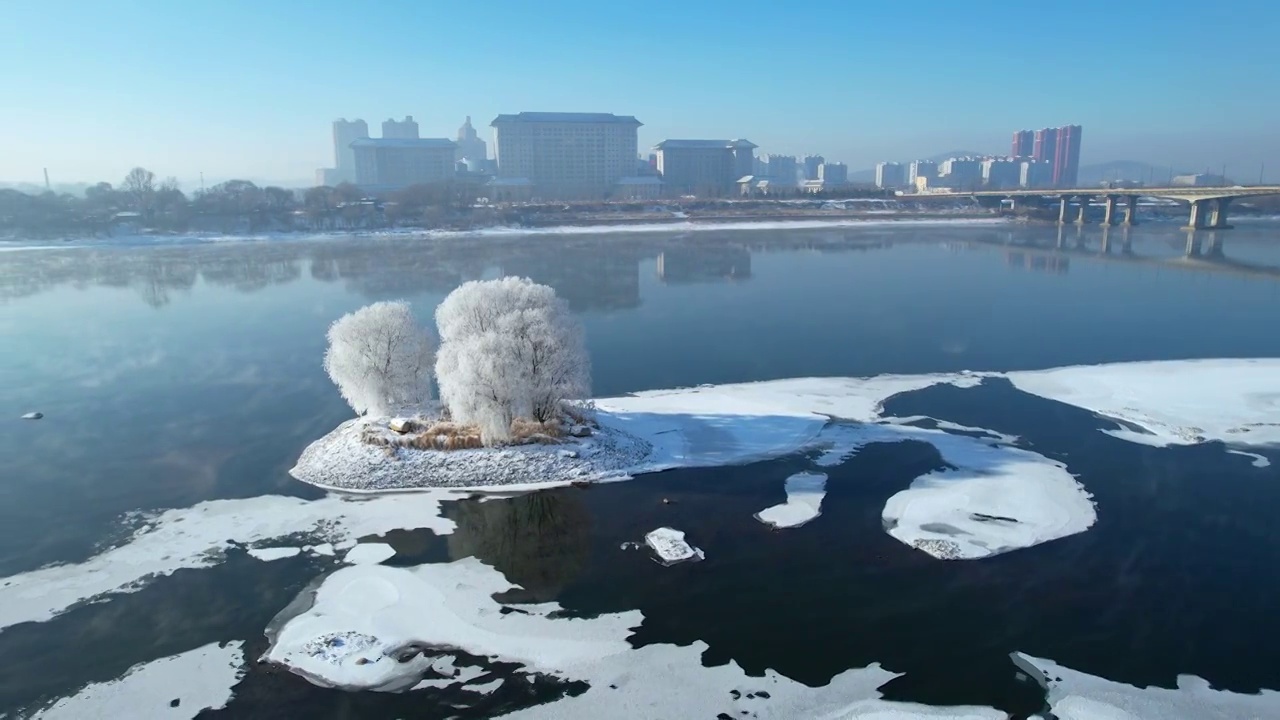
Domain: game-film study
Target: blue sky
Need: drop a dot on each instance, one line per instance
(247, 89)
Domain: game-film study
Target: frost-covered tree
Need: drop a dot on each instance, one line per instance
(509, 349)
(380, 359)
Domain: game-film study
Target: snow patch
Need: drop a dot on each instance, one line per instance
(804, 501)
(670, 546)
(369, 554)
(1075, 695)
(199, 536)
(1178, 402)
(196, 680)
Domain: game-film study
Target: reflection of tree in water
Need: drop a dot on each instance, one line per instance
(538, 541)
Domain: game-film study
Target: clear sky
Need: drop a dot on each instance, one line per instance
(248, 89)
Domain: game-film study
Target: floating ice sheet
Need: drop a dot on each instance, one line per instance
(804, 501)
(172, 688)
(1075, 695)
(671, 547)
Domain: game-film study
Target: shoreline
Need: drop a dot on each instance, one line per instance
(586, 226)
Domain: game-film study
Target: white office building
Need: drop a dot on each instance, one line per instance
(890, 175)
(344, 160)
(405, 129)
(568, 156)
(394, 163)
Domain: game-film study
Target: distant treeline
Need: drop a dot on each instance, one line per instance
(139, 203)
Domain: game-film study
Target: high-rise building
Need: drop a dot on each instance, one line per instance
(470, 146)
(783, 169)
(811, 164)
(566, 155)
(392, 163)
(1024, 144)
(405, 129)
(833, 174)
(927, 169)
(704, 167)
(1066, 156)
(344, 159)
(890, 175)
(1045, 145)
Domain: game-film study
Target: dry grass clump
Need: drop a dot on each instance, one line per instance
(448, 435)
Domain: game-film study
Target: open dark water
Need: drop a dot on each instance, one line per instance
(175, 374)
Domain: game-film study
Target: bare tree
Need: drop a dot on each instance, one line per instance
(140, 185)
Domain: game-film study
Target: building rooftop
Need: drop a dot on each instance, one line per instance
(403, 143)
(566, 117)
(703, 144)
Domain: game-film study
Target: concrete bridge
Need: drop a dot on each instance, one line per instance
(1209, 205)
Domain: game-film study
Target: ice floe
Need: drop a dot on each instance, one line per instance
(400, 616)
(1176, 402)
(1073, 695)
(369, 554)
(198, 536)
(268, 554)
(1258, 461)
(671, 547)
(179, 686)
(804, 501)
(366, 625)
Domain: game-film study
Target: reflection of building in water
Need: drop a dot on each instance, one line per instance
(538, 541)
(588, 278)
(703, 264)
(1039, 262)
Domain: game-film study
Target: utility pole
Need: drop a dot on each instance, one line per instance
(1224, 175)
(202, 181)
(1262, 166)
(47, 186)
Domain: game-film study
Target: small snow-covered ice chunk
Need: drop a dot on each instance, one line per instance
(484, 688)
(33, 416)
(369, 554)
(268, 554)
(325, 549)
(670, 546)
(804, 501)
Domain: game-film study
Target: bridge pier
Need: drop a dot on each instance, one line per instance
(1062, 237)
(1131, 211)
(1083, 216)
(1218, 214)
(1109, 218)
(1126, 242)
(1106, 238)
(1062, 209)
(1196, 221)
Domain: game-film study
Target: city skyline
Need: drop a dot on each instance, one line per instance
(244, 90)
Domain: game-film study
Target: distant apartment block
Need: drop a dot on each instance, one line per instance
(1058, 147)
(1024, 144)
(405, 129)
(926, 169)
(960, 173)
(1066, 158)
(1001, 173)
(392, 163)
(890, 175)
(344, 160)
(1033, 174)
(470, 146)
(833, 173)
(811, 165)
(567, 155)
(782, 169)
(704, 167)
